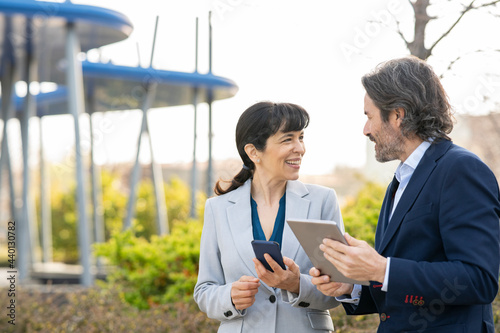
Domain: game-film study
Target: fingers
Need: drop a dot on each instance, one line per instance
(243, 292)
(243, 299)
(288, 279)
(320, 280)
(314, 272)
(259, 267)
(274, 265)
(262, 271)
(292, 266)
(245, 278)
(358, 260)
(334, 289)
(325, 286)
(353, 241)
(334, 245)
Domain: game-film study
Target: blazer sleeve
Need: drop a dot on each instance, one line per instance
(212, 293)
(468, 213)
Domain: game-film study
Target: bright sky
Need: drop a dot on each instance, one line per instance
(312, 53)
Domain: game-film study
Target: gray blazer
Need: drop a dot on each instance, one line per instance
(226, 254)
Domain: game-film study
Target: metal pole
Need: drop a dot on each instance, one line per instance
(210, 167)
(45, 207)
(134, 178)
(13, 207)
(193, 168)
(138, 55)
(76, 105)
(161, 207)
(154, 43)
(7, 80)
(95, 174)
(45, 203)
(149, 96)
(195, 106)
(150, 92)
(28, 232)
(210, 42)
(210, 163)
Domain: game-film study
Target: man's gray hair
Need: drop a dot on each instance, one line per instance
(411, 84)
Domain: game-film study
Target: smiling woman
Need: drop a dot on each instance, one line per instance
(233, 286)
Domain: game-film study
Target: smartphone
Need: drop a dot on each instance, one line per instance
(270, 247)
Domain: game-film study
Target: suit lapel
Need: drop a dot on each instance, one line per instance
(410, 194)
(239, 216)
(296, 207)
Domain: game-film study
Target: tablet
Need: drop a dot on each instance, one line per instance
(310, 234)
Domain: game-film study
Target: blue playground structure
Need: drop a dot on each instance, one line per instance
(40, 42)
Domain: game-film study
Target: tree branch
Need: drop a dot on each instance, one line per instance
(487, 4)
(467, 9)
(398, 27)
(400, 32)
(452, 26)
(450, 65)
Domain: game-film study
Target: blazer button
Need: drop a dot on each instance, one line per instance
(228, 313)
(383, 317)
(304, 304)
(272, 299)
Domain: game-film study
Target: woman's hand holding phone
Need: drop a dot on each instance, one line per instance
(275, 275)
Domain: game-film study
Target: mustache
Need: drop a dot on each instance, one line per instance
(371, 138)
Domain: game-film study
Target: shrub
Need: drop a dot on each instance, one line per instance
(64, 216)
(115, 200)
(61, 309)
(360, 214)
(158, 271)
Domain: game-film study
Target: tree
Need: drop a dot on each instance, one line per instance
(418, 47)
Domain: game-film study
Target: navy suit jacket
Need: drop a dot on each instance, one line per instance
(443, 240)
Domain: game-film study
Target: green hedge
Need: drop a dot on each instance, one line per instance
(158, 271)
(115, 200)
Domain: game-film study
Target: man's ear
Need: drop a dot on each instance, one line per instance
(251, 151)
(400, 114)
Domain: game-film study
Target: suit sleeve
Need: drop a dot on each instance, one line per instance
(211, 292)
(468, 218)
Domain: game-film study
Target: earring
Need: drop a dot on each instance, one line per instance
(258, 160)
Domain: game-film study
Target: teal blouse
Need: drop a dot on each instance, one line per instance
(279, 223)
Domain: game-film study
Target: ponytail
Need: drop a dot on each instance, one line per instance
(238, 180)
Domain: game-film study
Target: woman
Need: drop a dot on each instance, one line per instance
(233, 286)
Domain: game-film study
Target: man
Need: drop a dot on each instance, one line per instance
(436, 259)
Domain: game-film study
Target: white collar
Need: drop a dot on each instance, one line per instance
(405, 169)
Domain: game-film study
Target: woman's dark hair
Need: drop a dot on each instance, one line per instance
(411, 84)
(255, 126)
